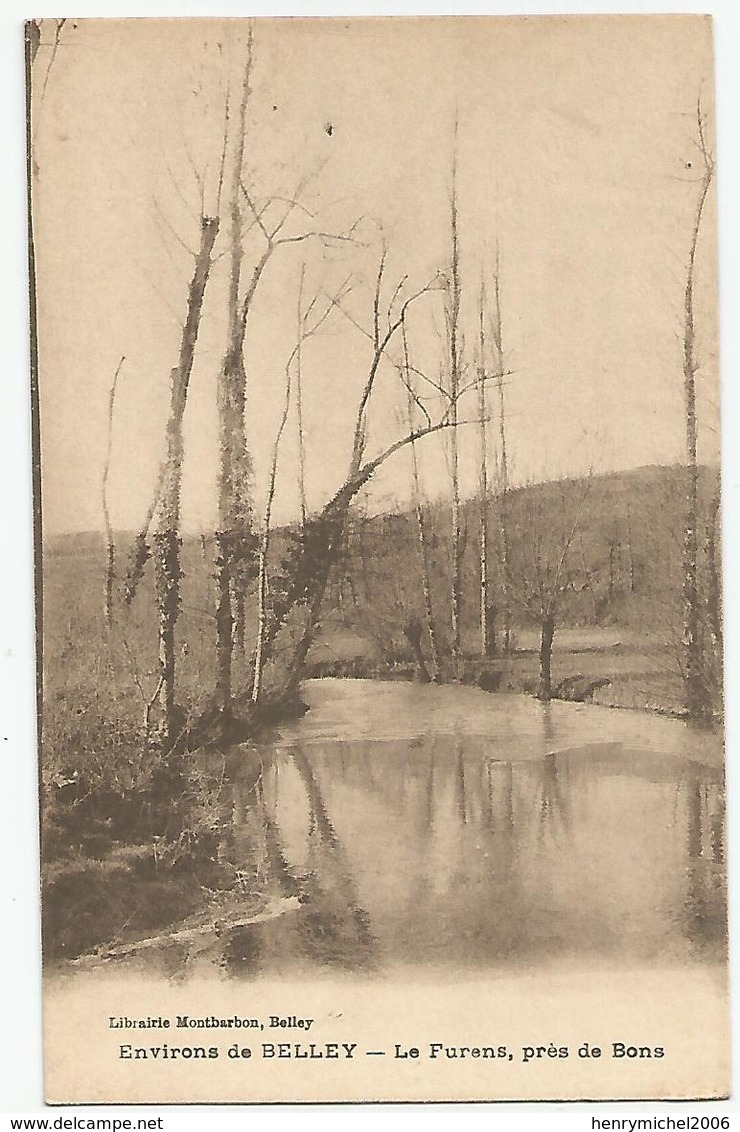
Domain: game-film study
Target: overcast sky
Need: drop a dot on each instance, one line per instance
(576, 151)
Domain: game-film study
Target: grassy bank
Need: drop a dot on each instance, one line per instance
(603, 666)
(134, 841)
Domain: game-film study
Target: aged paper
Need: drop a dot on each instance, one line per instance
(375, 385)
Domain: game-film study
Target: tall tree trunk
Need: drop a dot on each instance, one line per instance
(259, 653)
(504, 461)
(167, 540)
(110, 544)
(421, 527)
(299, 424)
(692, 644)
(453, 329)
(485, 629)
(547, 634)
(695, 692)
(714, 597)
(167, 575)
(233, 537)
(425, 586)
(315, 600)
(262, 581)
(413, 633)
(234, 513)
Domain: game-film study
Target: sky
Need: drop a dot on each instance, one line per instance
(576, 154)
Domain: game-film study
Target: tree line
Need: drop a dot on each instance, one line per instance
(279, 585)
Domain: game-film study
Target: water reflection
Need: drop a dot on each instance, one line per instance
(476, 851)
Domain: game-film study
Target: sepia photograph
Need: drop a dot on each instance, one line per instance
(376, 444)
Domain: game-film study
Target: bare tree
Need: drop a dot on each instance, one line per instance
(299, 421)
(110, 542)
(324, 533)
(418, 505)
(695, 691)
(234, 504)
(167, 571)
(323, 538)
(455, 366)
(543, 568)
(163, 512)
(236, 544)
(310, 322)
(487, 628)
(503, 485)
(713, 611)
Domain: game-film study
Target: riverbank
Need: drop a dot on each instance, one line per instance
(194, 850)
(133, 839)
(600, 666)
(421, 762)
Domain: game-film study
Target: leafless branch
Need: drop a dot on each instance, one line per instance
(160, 295)
(701, 122)
(311, 214)
(256, 213)
(376, 299)
(367, 469)
(301, 187)
(325, 237)
(272, 244)
(399, 287)
(380, 349)
(174, 181)
(200, 178)
(403, 373)
(172, 230)
(110, 547)
(222, 163)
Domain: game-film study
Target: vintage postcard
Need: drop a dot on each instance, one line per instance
(375, 374)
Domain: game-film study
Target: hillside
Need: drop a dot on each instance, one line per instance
(623, 592)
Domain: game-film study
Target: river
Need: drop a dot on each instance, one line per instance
(434, 865)
(427, 829)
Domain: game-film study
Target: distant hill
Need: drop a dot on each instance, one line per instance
(627, 549)
(624, 561)
(651, 482)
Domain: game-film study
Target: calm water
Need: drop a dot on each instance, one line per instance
(430, 829)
